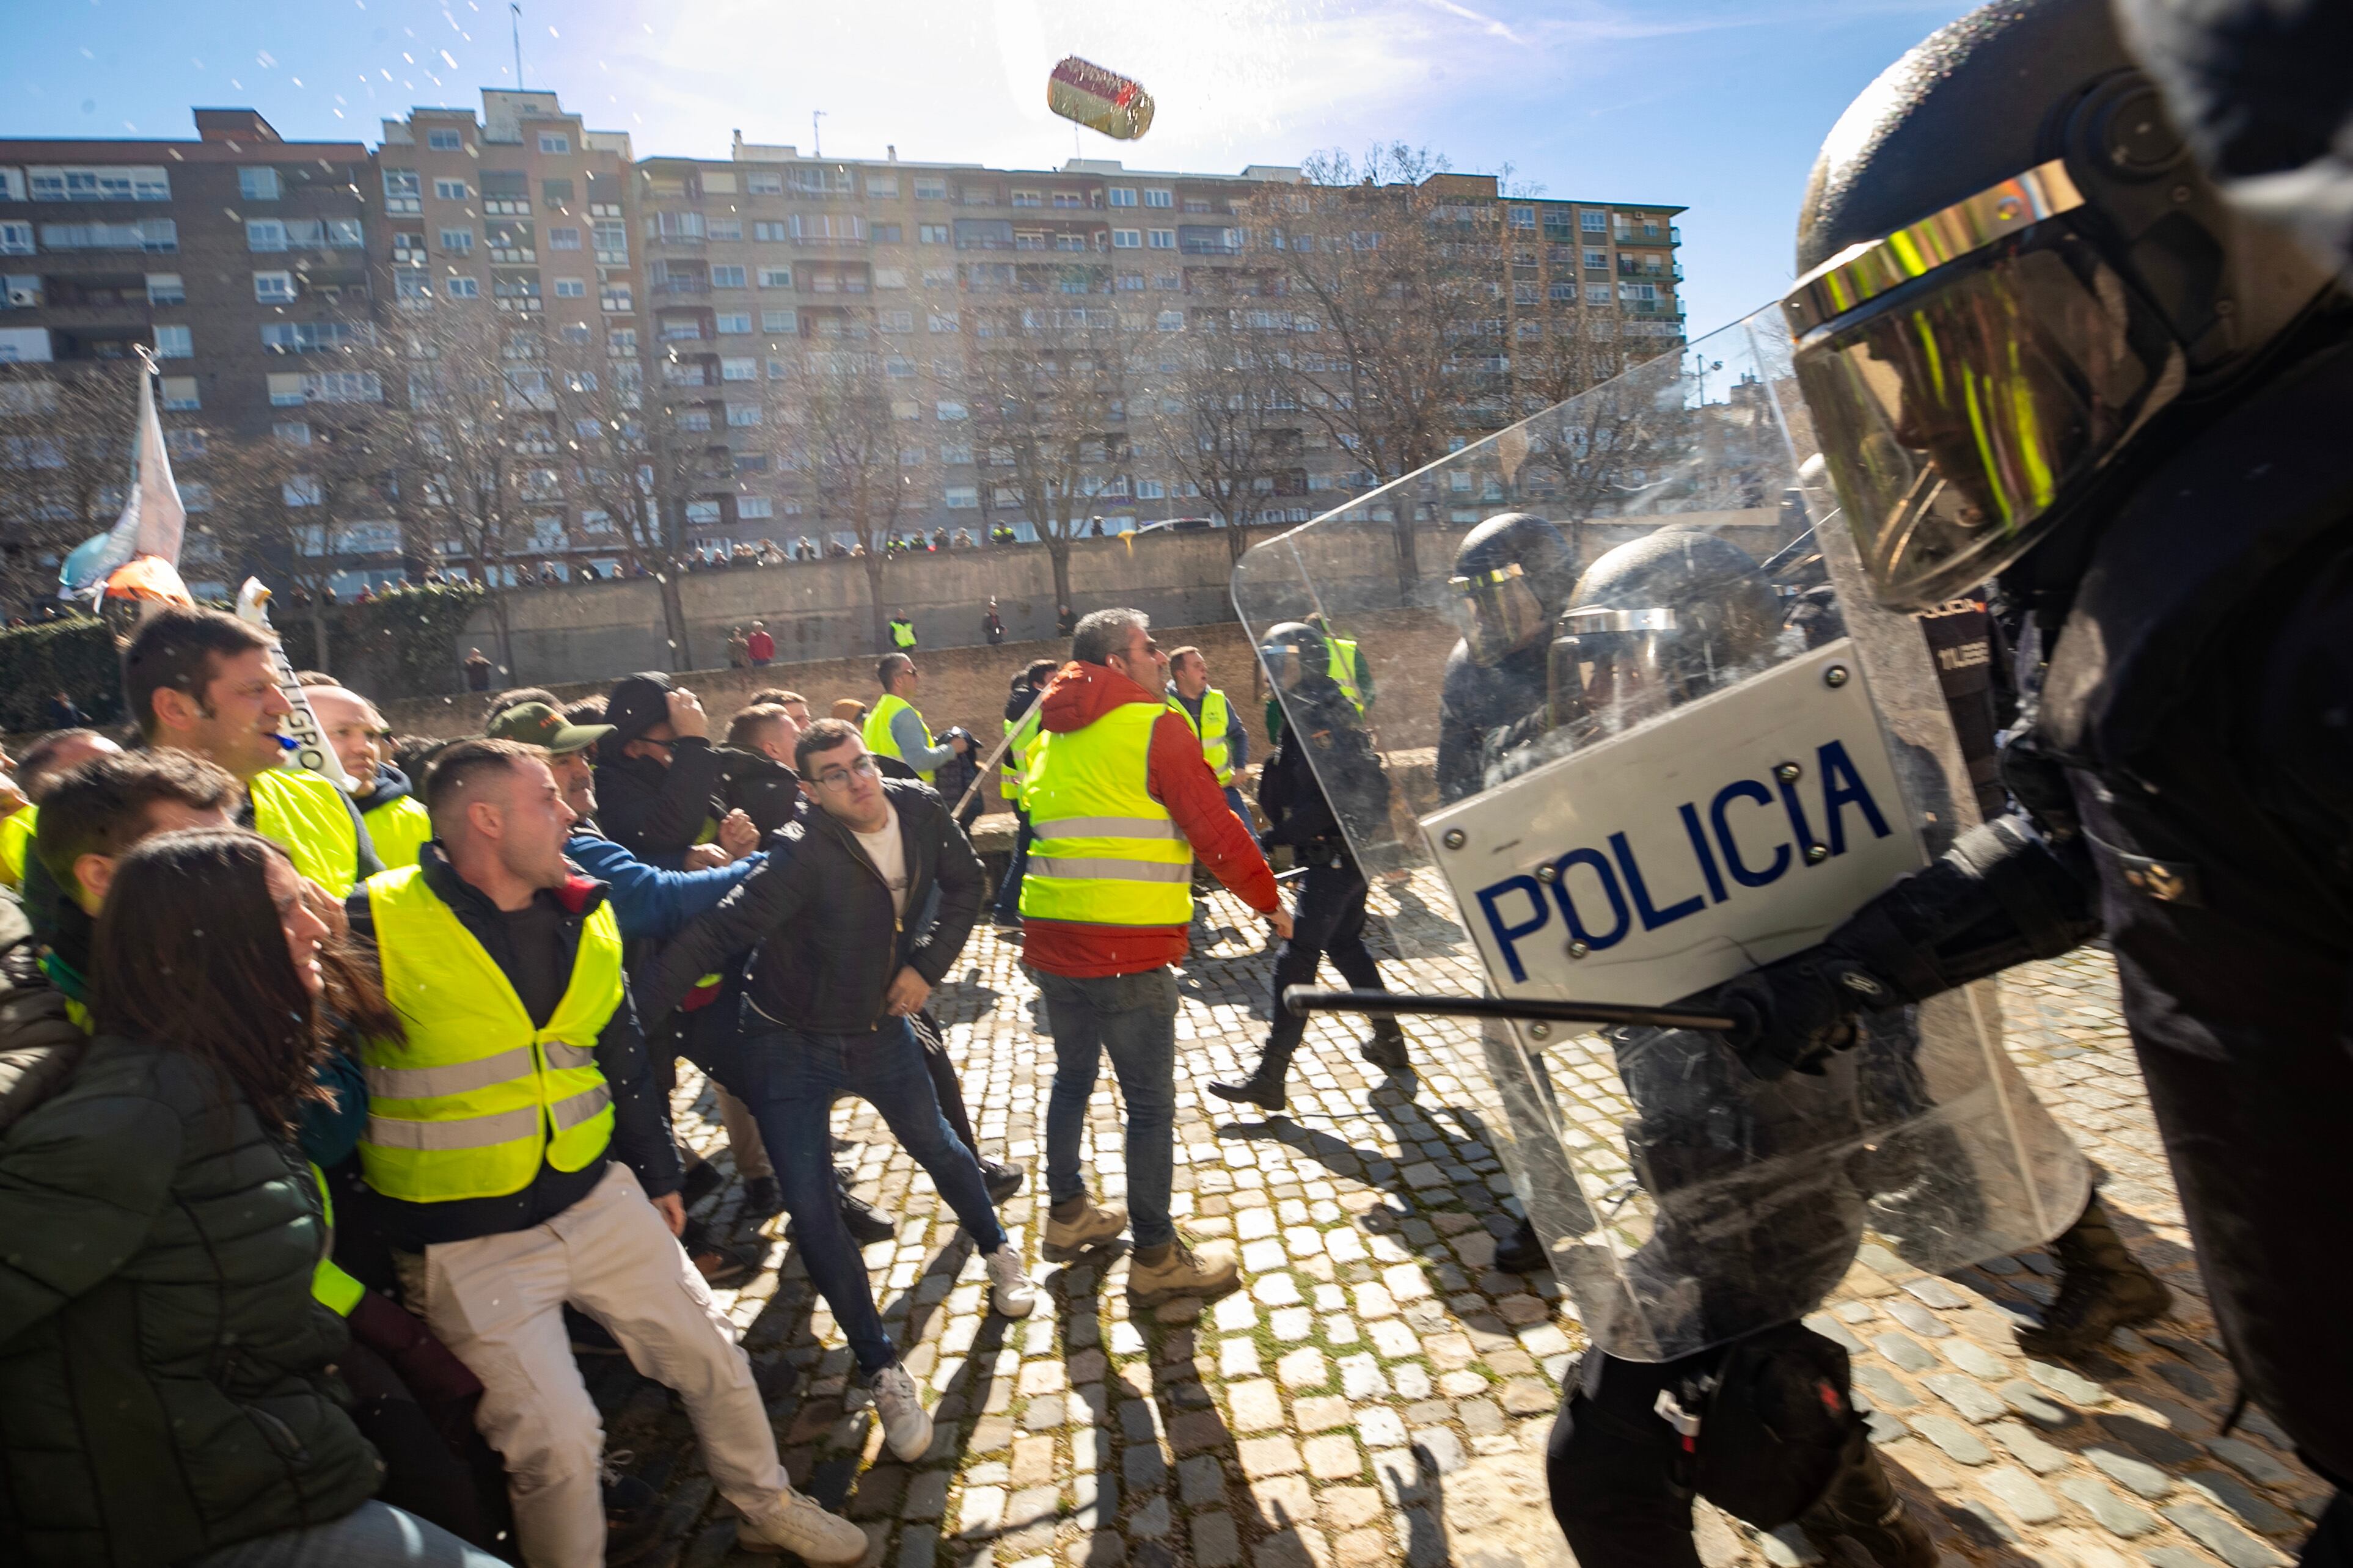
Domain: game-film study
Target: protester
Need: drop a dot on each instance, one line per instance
(514, 695)
(838, 973)
(491, 948)
(44, 760)
(62, 713)
(992, 625)
(1066, 621)
(761, 645)
(1225, 740)
(760, 779)
(477, 670)
(202, 681)
(152, 1223)
(1020, 733)
(738, 649)
(397, 821)
(794, 705)
(849, 710)
(896, 728)
(661, 782)
(1122, 802)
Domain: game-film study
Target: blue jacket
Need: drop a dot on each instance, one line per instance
(652, 904)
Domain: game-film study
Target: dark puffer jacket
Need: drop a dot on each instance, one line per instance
(164, 1370)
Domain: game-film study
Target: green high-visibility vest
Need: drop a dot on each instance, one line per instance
(399, 831)
(476, 1097)
(301, 811)
(1217, 722)
(1020, 733)
(878, 736)
(1103, 852)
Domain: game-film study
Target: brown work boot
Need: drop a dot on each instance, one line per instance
(1860, 1504)
(1078, 1226)
(1157, 1274)
(2102, 1288)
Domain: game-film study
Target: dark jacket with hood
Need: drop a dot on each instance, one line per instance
(535, 948)
(828, 941)
(654, 812)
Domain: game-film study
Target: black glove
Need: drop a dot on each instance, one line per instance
(1794, 1012)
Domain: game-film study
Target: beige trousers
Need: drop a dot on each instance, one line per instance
(497, 1302)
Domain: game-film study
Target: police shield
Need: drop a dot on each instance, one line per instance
(1647, 731)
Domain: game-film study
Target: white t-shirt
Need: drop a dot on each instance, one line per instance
(885, 848)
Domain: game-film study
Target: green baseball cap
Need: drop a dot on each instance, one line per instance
(537, 724)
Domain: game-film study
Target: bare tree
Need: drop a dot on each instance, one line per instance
(64, 458)
(1048, 394)
(841, 423)
(1221, 413)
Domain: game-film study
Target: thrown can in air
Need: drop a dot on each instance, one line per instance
(1099, 99)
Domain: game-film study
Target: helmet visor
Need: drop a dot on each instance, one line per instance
(1496, 612)
(1956, 412)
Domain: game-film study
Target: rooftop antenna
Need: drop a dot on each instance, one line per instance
(817, 137)
(514, 13)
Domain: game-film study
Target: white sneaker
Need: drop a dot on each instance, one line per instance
(906, 1425)
(791, 1522)
(1012, 1292)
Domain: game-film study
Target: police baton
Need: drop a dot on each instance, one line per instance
(974, 788)
(1301, 1000)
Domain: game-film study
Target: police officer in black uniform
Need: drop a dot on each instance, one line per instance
(1298, 798)
(2035, 341)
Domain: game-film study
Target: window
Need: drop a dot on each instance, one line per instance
(824, 226)
(449, 190)
(615, 298)
(1128, 239)
(408, 283)
(12, 185)
(400, 190)
(174, 342)
(302, 489)
(1644, 293)
(1164, 238)
(458, 241)
(555, 192)
(929, 189)
(445, 141)
(1159, 198)
(962, 497)
(887, 234)
(772, 233)
(612, 242)
(724, 228)
(932, 233)
(1131, 282)
(1598, 260)
(727, 278)
(1597, 293)
(785, 321)
(1565, 293)
(1029, 199)
(956, 452)
(111, 183)
(155, 235)
(764, 183)
(344, 234)
(899, 368)
(179, 397)
(554, 142)
(273, 287)
(1524, 293)
(743, 416)
(1121, 195)
(572, 288)
(950, 411)
(265, 234)
(257, 184)
(465, 289)
(745, 368)
(894, 320)
(733, 320)
(703, 511)
(291, 432)
(1593, 223)
(1151, 490)
(755, 507)
(883, 186)
(943, 321)
(1171, 321)
(776, 277)
(1524, 217)
(165, 288)
(15, 239)
(314, 337)
(563, 239)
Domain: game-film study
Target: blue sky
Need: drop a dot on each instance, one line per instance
(1716, 104)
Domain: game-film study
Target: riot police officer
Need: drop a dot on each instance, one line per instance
(1511, 579)
(2101, 383)
(1303, 800)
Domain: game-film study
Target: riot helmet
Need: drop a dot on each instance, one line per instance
(1293, 653)
(1511, 575)
(2014, 276)
(1658, 621)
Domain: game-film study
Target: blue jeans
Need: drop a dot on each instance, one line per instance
(1133, 1016)
(791, 1078)
(1008, 893)
(1234, 799)
(372, 1535)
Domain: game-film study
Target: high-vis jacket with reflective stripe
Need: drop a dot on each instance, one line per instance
(1217, 723)
(1022, 733)
(877, 732)
(310, 816)
(16, 842)
(399, 830)
(468, 1106)
(1342, 669)
(1103, 851)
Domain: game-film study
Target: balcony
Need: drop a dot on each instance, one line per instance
(676, 287)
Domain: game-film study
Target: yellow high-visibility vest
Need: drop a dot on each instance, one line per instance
(399, 831)
(878, 732)
(1343, 670)
(1103, 852)
(902, 636)
(16, 842)
(476, 1097)
(1022, 733)
(301, 811)
(330, 1286)
(1217, 720)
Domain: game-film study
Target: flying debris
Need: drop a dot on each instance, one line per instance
(1099, 99)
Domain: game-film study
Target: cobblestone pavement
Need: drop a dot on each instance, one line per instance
(1378, 1393)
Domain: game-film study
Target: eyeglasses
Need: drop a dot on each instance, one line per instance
(839, 778)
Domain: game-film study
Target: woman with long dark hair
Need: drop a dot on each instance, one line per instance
(163, 1367)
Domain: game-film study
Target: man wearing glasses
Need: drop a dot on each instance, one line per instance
(837, 975)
